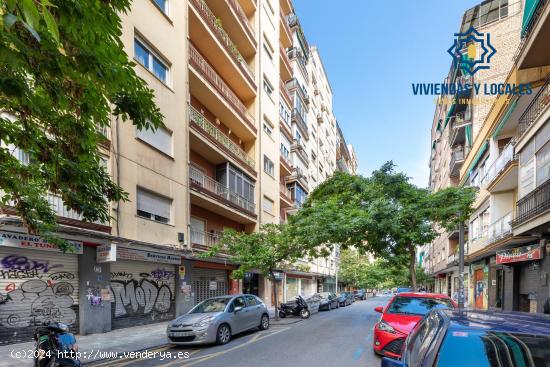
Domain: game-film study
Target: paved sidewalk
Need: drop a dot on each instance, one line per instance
(122, 340)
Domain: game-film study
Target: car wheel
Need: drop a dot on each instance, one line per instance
(264, 322)
(304, 314)
(223, 335)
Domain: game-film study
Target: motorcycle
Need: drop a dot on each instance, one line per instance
(296, 308)
(55, 346)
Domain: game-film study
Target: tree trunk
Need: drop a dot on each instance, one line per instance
(276, 294)
(412, 266)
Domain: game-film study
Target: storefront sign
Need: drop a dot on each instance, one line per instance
(22, 240)
(525, 253)
(125, 253)
(105, 253)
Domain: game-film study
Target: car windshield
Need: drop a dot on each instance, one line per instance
(211, 305)
(489, 348)
(418, 305)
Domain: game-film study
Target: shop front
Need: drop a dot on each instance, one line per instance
(38, 283)
(209, 279)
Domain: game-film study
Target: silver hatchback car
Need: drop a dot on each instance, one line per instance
(216, 319)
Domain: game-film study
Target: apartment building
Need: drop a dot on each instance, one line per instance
(243, 145)
(458, 121)
(506, 160)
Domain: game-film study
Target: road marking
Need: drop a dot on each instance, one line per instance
(358, 353)
(199, 359)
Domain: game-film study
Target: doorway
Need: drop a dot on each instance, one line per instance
(479, 290)
(251, 284)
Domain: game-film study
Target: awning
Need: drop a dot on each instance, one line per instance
(438, 125)
(528, 13)
(449, 114)
(478, 157)
(505, 118)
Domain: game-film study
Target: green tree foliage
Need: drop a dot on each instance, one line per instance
(384, 214)
(63, 75)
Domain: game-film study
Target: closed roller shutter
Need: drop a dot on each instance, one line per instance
(141, 293)
(200, 281)
(36, 287)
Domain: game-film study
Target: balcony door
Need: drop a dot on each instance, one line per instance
(198, 229)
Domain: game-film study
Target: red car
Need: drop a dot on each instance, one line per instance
(400, 316)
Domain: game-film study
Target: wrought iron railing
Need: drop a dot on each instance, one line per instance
(537, 106)
(505, 157)
(199, 119)
(198, 178)
(204, 238)
(216, 27)
(534, 203)
(198, 61)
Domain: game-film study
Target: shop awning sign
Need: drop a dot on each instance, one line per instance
(106, 253)
(23, 240)
(125, 253)
(525, 253)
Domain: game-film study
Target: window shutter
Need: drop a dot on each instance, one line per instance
(152, 203)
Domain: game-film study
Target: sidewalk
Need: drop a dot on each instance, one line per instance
(122, 340)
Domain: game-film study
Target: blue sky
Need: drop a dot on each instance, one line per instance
(372, 52)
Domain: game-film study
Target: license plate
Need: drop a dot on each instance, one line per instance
(181, 333)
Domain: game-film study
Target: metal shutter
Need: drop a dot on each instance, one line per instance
(141, 293)
(36, 287)
(200, 282)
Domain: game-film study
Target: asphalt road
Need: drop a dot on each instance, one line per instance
(341, 337)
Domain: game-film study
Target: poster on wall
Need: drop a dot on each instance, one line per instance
(525, 253)
(106, 253)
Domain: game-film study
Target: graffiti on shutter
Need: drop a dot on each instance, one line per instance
(36, 287)
(141, 293)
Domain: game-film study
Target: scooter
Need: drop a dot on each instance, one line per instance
(55, 346)
(296, 308)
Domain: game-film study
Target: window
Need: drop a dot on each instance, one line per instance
(543, 164)
(150, 61)
(251, 301)
(160, 139)
(153, 206)
(237, 302)
(268, 130)
(268, 205)
(285, 152)
(269, 167)
(237, 182)
(268, 87)
(163, 5)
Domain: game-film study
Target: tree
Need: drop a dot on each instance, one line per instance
(384, 214)
(63, 75)
(267, 250)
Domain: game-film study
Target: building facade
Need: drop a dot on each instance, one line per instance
(505, 158)
(249, 132)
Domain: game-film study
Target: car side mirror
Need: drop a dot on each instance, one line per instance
(237, 309)
(379, 309)
(389, 362)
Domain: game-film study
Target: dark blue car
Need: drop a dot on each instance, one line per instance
(446, 338)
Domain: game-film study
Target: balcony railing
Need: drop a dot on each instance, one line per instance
(457, 157)
(285, 191)
(223, 37)
(452, 258)
(506, 156)
(499, 228)
(285, 93)
(199, 119)
(219, 84)
(535, 203)
(242, 17)
(198, 178)
(58, 206)
(294, 53)
(526, 33)
(202, 238)
(539, 104)
(458, 122)
(297, 117)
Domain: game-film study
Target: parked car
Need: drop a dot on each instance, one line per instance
(400, 316)
(360, 294)
(344, 299)
(403, 290)
(217, 319)
(450, 338)
(329, 301)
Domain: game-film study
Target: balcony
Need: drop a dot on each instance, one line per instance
(533, 50)
(535, 109)
(294, 86)
(298, 175)
(533, 204)
(500, 228)
(284, 93)
(300, 122)
(502, 174)
(458, 125)
(295, 54)
(235, 114)
(457, 160)
(286, 165)
(215, 136)
(207, 33)
(236, 23)
(72, 218)
(286, 196)
(203, 239)
(452, 259)
(285, 35)
(222, 195)
(299, 148)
